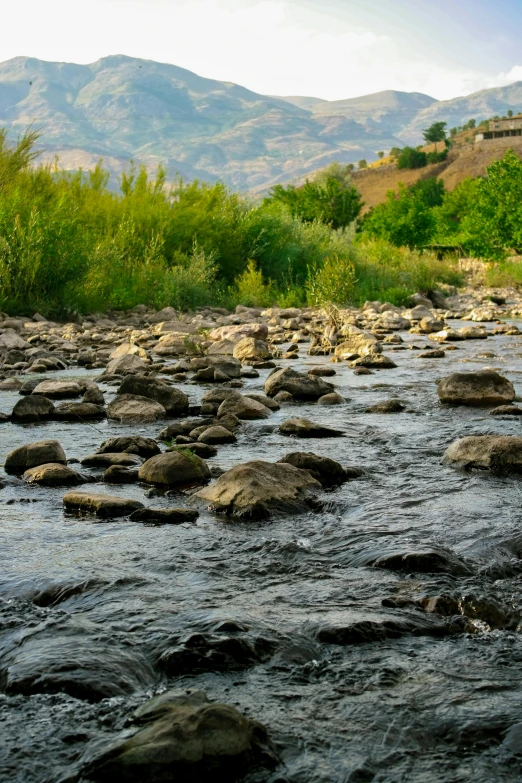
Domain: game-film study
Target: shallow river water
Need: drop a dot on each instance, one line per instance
(88, 607)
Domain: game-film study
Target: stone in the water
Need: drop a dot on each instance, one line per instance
(131, 408)
(56, 390)
(166, 516)
(257, 488)
(366, 631)
(326, 470)
(119, 474)
(34, 454)
(498, 453)
(304, 428)
(249, 349)
(268, 402)
(100, 505)
(427, 561)
(204, 652)
(53, 474)
(377, 360)
(203, 450)
(244, 408)
(184, 738)
(322, 372)
(484, 387)
(126, 365)
(216, 435)
(506, 410)
(438, 353)
(388, 406)
(104, 460)
(93, 394)
(133, 444)
(300, 385)
(175, 402)
(78, 411)
(31, 408)
(331, 399)
(174, 468)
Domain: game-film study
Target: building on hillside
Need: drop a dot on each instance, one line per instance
(499, 129)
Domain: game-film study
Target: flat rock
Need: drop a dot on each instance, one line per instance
(378, 361)
(388, 406)
(304, 428)
(257, 488)
(53, 474)
(239, 332)
(506, 410)
(174, 468)
(56, 390)
(32, 455)
(498, 453)
(100, 505)
(106, 459)
(134, 408)
(484, 387)
(166, 516)
(78, 411)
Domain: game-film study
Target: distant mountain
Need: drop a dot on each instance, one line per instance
(121, 108)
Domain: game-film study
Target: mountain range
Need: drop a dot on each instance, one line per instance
(121, 108)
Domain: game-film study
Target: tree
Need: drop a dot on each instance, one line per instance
(362, 164)
(431, 190)
(395, 152)
(380, 154)
(350, 167)
(510, 113)
(435, 133)
(404, 219)
(410, 158)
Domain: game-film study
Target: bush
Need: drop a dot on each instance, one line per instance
(410, 158)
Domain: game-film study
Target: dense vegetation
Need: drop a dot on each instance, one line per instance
(69, 243)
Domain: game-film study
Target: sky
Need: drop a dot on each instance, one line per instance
(330, 49)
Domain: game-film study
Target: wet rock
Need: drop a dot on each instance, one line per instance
(132, 408)
(506, 410)
(203, 450)
(283, 396)
(29, 386)
(133, 444)
(11, 384)
(165, 516)
(379, 361)
(184, 739)
(366, 631)
(358, 344)
(268, 402)
(438, 353)
(327, 471)
(216, 435)
(175, 402)
(119, 474)
(106, 459)
(257, 488)
(474, 607)
(53, 475)
(473, 332)
(304, 428)
(57, 390)
(300, 385)
(78, 411)
(32, 455)
(484, 387)
(428, 561)
(174, 468)
(244, 408)
(126, 365)
(362, 371)
(93, 394)
(239, 332)
(249, 349)
(322, 372)
(498, 453)
(30, 409)
(100, 505)
(331, 399)
(388, 406)
(203, 652)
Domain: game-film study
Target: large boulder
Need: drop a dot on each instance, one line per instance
(78, 411)
(183, 737)
(237, 333)
(33, 454)
(358, 344)
(125, 365)
(485, 387)
(53, 475)
(174, 468)
(134, 408)
(258, 488)
(243, 408)
(32, 409)
(11, 339)
(175, 402)
(498, 453)
(56, 390)
(249, 349)
(327, 471)
(133, 444)
(300, 385)
(217, 435)
(100, 505)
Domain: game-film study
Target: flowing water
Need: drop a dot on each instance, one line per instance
(88, 607)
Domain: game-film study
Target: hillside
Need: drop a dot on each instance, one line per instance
(121, 108)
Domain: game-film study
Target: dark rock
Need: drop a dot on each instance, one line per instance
(203, 450)
(119, 474)
(104, 460)
(484, 387)
(78, 411)
(174, 401)
(32, 455)
(327, 471)
(389, 406)
(30, 409)
(202, 652)
(132, 444)
(165, 516)
(300, 385)
(174, 468)
(428, 561)
(506, 410)
(366, 631)
(304, 428)
(53, 475)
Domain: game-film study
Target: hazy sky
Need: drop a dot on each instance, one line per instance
(326, 48)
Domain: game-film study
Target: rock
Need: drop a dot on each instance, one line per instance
(358, 344)
(11, 384)
(29, 386)
(119, 474)
(484, 387)
(100, 505)
(175, 402)
(283, 396)
(473, 332)
(168, 516)
(53, 474)
(174, 468)
(506, 410)
(186, 739)
(216, 435)
(258, 488)
(134, 408)
(32, 455)
(32, 409)
(93, 394)
(437, 353)
(106, 459)
(304, 428)
(126, 365)
(221, 348)
(203, 450)
(249, 349)
(127, 349)
(12, 340)
(389, 406)
(300, 385)
(206, 653)
(498, 453)
(78, 411)
(239, 332)
(133, 444)
(366, 631)
(268, 402)
(362, 371)
(56, 390)
(379, 361)
(327, 471)
(420, 299)
(331, 399)
(322, 372)
(427, 561)
(244, 408)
